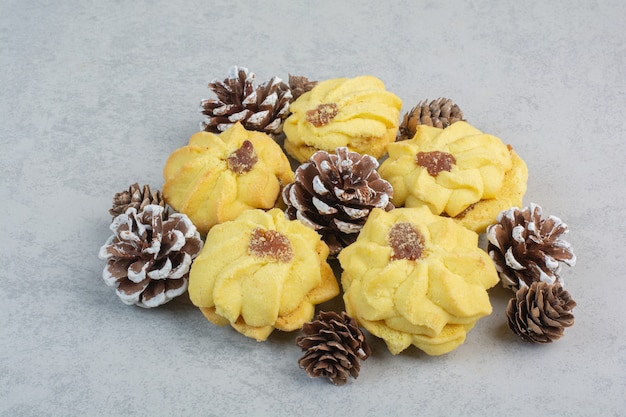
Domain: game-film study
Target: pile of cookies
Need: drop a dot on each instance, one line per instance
(286, 179)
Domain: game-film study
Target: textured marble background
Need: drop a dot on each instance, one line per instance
(95, 94)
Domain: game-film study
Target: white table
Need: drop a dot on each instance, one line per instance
(95, 95)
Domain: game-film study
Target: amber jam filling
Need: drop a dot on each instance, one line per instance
(406, 242)
(243, 159)
(322, 115)
(435, 161)
(270, 244)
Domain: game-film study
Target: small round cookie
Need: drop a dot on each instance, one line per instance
(459, 172)
(414, 278)
(261, 271)
(216, 177)
(358, 113)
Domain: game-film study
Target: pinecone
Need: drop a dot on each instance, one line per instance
(334, 345)
(263, 108)
(135, 197)
(540, 313)
(334, 195)
(527, 248)
(300, 85)
(439, 113)
(149, 255)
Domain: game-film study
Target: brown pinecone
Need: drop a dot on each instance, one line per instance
(540, 313)
(263, 108)
(527, 248)
(334, 194)
(334, 345)
(300, 85)
(149, 255)
(439, 113)
(135, 197)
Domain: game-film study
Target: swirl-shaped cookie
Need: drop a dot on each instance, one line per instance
(261, 271)
(358, 113)
(216, 177)
(458, 172)
(416, 278)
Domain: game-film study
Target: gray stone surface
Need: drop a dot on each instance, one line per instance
(94, 95)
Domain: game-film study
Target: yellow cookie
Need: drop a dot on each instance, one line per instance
(358, 113)
(216, 177)
(414, 278)
(458, 172)
(260, 272)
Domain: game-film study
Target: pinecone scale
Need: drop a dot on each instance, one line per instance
(300, 85)
(137, 197)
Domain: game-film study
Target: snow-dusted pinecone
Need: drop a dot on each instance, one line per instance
(334, 195)
(526, 247)
(137, 197)
(149, 255)
(263, 108)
